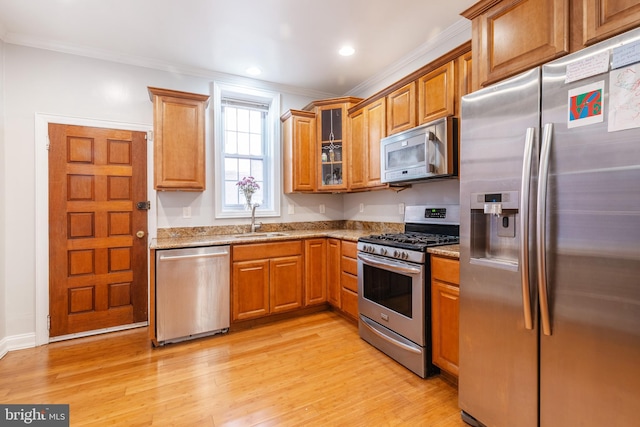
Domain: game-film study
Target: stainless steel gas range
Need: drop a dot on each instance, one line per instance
(394, 278)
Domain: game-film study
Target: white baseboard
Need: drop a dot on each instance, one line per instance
(17, 342)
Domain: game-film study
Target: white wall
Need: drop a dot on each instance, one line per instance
(383, 205)
(41, 81)
(3, 180)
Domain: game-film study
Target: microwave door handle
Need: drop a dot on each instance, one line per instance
(368, 260)
(432, 157)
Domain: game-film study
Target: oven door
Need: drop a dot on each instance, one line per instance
(392, 293)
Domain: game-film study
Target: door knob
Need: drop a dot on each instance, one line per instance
(140, 234)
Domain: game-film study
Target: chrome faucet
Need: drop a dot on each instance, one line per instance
(254, 226)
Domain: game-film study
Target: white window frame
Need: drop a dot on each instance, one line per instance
(271, 155)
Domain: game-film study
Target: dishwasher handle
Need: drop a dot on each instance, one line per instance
(178, 257)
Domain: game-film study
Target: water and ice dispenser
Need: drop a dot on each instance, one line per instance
(494, 236)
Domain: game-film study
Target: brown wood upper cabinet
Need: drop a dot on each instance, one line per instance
(464, 67)
(368, 127)
(179, 139)
(436, 93)
(607, 18)
(333, 130)
(511, 36)
(299, 145)
(401, 109)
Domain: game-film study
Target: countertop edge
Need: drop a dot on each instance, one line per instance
(452, 251)
(236, 239)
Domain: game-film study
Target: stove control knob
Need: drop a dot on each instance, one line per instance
(396, 254)
(383, 251)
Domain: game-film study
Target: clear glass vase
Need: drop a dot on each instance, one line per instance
(247, 197)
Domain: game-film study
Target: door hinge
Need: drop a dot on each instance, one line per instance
(48, 143)
(149, 135)
(48, 323)
(143, 206)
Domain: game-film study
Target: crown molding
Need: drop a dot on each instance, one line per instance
(144, 62)
(422, 55)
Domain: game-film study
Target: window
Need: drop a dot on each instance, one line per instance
(246, 144)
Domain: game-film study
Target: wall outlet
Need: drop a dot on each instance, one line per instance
(322, 209)
(361, 207)
(401, 208)
(186, 212)
(291, 209)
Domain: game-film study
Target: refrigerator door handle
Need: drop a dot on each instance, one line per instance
(543, 177)
(525, 192)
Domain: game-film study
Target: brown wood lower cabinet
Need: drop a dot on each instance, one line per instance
(349, 279)
(271, 278)
(315, 271)
(334, 272)
(266, 279)
(445, 295)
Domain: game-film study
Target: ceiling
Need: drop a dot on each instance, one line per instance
(293, 42)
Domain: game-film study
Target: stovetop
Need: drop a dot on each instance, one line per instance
(425, 226)
(416, 241)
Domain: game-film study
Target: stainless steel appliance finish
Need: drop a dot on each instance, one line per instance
(192, 292)
(394, 285)
(550, 224)
(426, 151)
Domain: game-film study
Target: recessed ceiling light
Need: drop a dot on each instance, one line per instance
(346, 51)
(253, 71)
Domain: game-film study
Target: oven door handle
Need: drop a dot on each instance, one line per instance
(375, 262)
(369, 324)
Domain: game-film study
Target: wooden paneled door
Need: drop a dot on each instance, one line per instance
(97, 234)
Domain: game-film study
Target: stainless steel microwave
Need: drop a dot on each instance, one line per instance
(424, 152)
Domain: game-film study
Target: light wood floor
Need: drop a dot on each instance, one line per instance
(312, 371)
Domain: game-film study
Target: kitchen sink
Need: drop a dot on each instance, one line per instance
(270, 234)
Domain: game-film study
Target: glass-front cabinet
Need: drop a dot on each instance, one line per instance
(331, 146)
(333, 130)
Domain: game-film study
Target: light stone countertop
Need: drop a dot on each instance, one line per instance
(258, 237)
(452, 251)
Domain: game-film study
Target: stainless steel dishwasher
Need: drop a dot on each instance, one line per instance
(192, 292)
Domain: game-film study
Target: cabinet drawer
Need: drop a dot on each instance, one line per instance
(445, 269)
(349, 265)
(349, 249)
(349, 281)
(350, 303)
(266, 250)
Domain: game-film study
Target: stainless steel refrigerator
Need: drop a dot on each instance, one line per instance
(550, 243)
